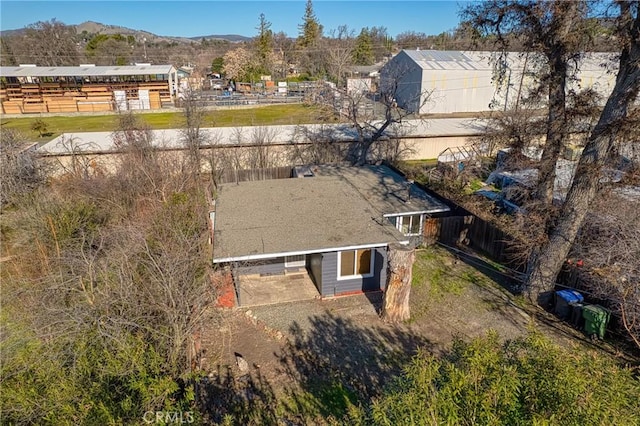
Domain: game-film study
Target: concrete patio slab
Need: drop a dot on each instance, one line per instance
(256, 290)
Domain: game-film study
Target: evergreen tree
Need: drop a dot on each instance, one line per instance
(265, 37)
(363, 52)
(217, 65)
(310, 29)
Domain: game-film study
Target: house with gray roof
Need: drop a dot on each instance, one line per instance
(333, 224)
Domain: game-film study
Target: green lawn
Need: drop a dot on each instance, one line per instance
(258, 116)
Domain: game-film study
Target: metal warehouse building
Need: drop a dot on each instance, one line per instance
(433, 81)
(86, 88)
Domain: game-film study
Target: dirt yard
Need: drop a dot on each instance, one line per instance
(312, 358)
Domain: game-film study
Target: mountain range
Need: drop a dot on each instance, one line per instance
(98, 28)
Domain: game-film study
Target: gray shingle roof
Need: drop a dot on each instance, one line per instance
(338, 207)
(266, 218)
(385, 190)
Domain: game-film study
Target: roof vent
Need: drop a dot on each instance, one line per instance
(87, 65)
(409, 183)
(28, 65)
(303, 171)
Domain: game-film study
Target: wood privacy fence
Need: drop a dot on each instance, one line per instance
(230, 176)
(462, 228)
(469, 230)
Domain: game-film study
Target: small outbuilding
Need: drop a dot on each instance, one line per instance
(333, 226)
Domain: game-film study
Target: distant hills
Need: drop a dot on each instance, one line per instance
(98, 28)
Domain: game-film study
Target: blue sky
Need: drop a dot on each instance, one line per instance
(196, 18)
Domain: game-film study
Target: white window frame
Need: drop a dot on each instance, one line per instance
(295, 263)
(399, 220)
(355, 265)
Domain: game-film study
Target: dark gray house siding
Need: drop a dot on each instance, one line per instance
(314, 265)
(331, 286)
(323, 270)
(263, 267)
(273, 266)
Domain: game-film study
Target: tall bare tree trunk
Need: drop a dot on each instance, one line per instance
(556, 126)
(395, 307)
(547, 264)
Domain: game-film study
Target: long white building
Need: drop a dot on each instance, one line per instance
(433, 81)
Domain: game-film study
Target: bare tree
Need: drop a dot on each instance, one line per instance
(412, 40)
(148, 167)
(609, 246)
(611, 125)
(20, 171)
(317, 145)
(78, 160)
(216, 158)
(339, 53)
(262, 152)
(48, 43)
(193, 137)
(558, 31)
(372, 125)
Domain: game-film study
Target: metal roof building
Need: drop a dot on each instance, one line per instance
(432, 81)
(102, 142)
(86, 88)
(27, 71)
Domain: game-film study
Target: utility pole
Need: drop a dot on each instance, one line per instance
(144, 46)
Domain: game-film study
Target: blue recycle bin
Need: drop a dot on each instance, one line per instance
(563, 301)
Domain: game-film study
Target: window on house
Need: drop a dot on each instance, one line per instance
(409, 225)
(355, 263)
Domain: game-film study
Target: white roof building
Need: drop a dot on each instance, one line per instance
(432, 81)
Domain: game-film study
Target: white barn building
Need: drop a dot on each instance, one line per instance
(433, 81)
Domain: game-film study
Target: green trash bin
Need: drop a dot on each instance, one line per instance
(596, 319)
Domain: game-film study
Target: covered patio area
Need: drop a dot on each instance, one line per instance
(257, 290)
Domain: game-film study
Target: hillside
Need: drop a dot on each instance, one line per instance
(91, 27)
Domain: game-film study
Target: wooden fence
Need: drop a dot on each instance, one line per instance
(230, 176)
(471, 231)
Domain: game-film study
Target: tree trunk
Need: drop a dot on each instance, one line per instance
(556, 127)
(556, 46)
(547, 264)
(395, 306)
